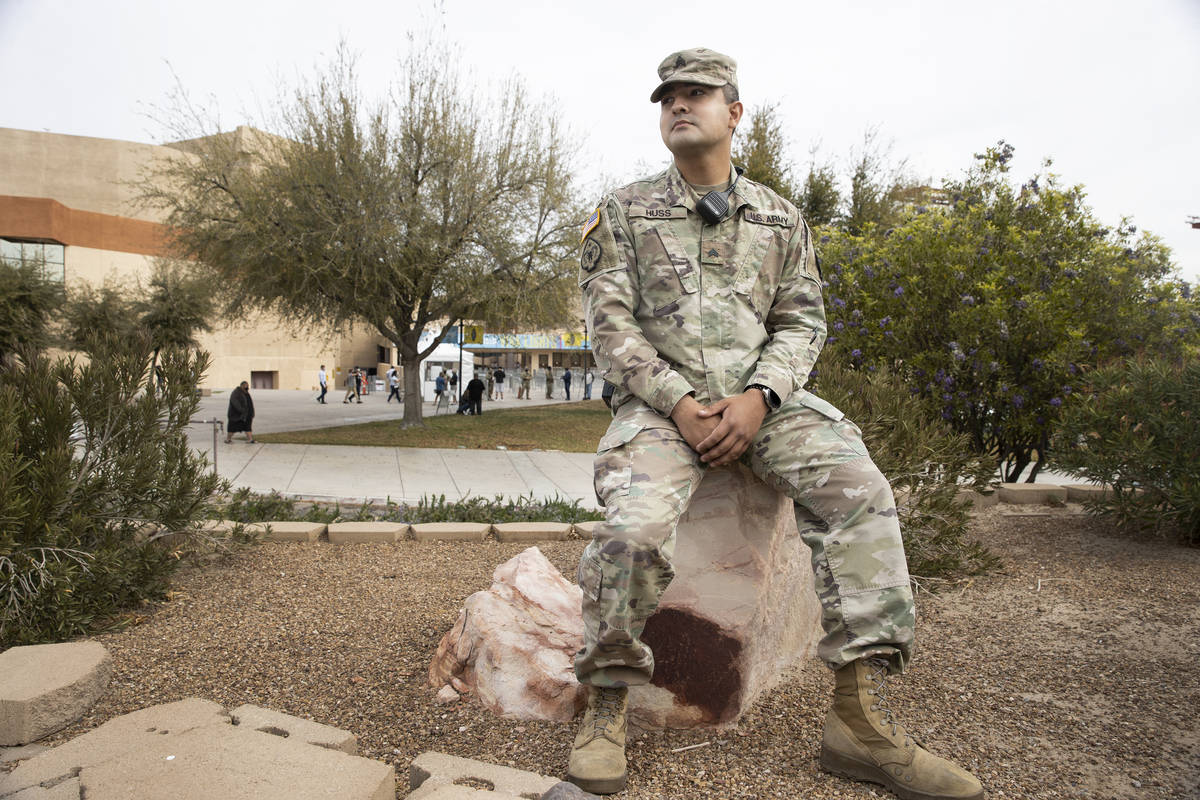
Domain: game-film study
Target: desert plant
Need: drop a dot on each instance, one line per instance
(99, 489)
(1134, 428)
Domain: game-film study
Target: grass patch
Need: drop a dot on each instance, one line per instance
(572, 427)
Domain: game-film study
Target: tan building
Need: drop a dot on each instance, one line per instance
(69, 202)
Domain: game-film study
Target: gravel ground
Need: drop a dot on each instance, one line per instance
(1086, 686)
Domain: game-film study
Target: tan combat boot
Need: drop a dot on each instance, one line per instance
(862, 742)
(598, 756)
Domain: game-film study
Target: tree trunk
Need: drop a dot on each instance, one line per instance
(411, 365)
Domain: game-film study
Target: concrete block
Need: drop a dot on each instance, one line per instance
(46, 687)
(1026, 494)
(978, 499)
(119, 735)
(10, 754)
(450, 791)
(189, 751)
(288, 531)
(265, 720)
(431, 772)
(67, 790)
(355, 532)
(532, 531)
(451, 531)
(1079, 492)
(584, 529)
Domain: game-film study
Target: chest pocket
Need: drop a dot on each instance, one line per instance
(667, 273)
(754, 280)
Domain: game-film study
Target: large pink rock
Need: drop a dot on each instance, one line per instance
(740, 611)
(514, 644)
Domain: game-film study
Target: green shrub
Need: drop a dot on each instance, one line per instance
(99, 489)
(1135, 428)
(926, 463)
(246, 506)
(994, 305)
(497, 509)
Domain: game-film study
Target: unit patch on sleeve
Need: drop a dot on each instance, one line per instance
(591, 224)
(589, 256)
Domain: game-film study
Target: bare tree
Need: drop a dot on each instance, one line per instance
(435, 204)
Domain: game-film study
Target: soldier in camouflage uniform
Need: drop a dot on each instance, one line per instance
(707, 318)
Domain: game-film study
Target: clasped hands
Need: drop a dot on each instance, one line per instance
(722, 431)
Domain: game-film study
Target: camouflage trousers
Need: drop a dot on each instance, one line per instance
(645, 474)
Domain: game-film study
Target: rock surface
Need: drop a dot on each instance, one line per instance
(45, 687)
(513, 645)
(190, 750)
(740, 611)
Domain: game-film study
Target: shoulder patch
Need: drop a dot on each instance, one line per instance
(591, 224)
(589, 256)
(768, 219)
(674, 212)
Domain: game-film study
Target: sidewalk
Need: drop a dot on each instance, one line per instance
(378, 474)
(400, 474)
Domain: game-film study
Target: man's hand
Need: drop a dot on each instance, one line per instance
(687, 416)
(741, 416)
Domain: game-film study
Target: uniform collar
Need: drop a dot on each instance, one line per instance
(678, 192)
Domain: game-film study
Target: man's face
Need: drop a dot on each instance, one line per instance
(695, 118)
(245, 386)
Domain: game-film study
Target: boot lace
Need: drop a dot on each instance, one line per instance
(606, 709)
(879, 673)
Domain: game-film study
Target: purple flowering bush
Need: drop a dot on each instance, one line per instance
(993, 307)
(1136, 431)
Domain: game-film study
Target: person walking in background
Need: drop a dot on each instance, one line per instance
(240, 414)
(567, 382)
(588, 377)
(500, 383)
(452, 382)
(323, 381)
(491, 385)
(393, 376)
(475, 389)
(351, 385)
(360, 388)
(549, 381)
(439, 385)
(526, 383)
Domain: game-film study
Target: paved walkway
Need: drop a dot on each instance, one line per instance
(399, 474)
(378, 474)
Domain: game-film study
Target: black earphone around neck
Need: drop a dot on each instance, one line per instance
(714, 206)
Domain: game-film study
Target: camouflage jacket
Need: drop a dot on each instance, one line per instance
(676, 306)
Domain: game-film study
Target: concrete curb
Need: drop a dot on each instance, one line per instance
(355, 532)
(1016, 494)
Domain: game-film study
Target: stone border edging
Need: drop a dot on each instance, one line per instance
(1017, 494)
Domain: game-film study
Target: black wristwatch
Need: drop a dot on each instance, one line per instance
(769, 397)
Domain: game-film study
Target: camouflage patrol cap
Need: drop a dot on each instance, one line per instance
(698, 65)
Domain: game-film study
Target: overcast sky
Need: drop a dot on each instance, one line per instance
(1110, 89)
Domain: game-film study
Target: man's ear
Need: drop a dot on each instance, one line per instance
(735, 114)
